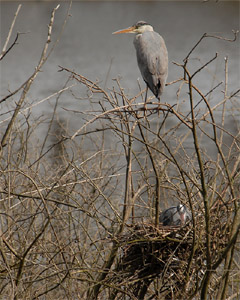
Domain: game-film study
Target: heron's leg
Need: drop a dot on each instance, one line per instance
(145, 102)
(159, 106)
(146, 97)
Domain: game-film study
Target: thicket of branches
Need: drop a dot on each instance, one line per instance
(69, 198)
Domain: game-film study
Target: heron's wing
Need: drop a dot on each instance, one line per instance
(158, 55)
(176, 219)
(152, 59)
(166, 217)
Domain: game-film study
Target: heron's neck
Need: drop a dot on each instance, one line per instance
(183, 218)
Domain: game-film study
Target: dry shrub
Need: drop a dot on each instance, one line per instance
(79, 210)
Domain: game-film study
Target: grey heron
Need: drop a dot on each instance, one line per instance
(152, 56)
(175, 215)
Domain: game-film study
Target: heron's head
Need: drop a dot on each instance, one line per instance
(139, 27)
(181, 209)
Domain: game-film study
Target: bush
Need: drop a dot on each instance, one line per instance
(75, 207)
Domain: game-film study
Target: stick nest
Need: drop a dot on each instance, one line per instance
(163, 252)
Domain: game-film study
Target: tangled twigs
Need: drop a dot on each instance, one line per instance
(29, 82)
(149, 252)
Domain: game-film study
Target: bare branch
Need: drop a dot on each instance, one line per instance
(5, 50)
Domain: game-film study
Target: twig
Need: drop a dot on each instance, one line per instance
(4, 50)
(29, 82)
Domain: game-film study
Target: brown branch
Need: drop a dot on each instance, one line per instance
(203, 190)
(205, 35)
(29, 82)
(206, 64)
(5, 50)
(10, 47)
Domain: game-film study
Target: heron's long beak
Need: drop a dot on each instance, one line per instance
(126, 30)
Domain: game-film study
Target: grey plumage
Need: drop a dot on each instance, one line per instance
(152, 56)
(175, 215)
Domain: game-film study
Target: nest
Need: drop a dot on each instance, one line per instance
(149, 252)
(164, 252)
